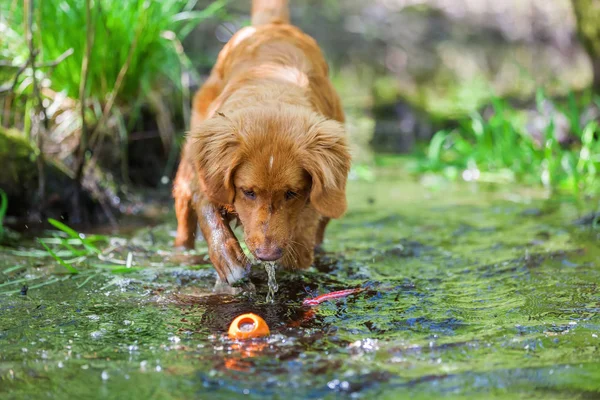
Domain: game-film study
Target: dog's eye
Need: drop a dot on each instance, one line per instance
(249, 194)
(289, 195)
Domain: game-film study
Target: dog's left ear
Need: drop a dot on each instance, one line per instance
(327, 160)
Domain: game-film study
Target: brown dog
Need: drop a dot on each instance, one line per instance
(266, 147)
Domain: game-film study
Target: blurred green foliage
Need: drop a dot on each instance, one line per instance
(499, 149)
(148, 32)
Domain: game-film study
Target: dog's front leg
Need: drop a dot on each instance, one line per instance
(223, 247)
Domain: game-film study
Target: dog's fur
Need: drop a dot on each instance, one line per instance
(267, 147)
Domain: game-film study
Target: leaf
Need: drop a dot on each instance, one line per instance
(435, 146)
(59, 260)
(3, 208)
(74, 234)
(118, 269)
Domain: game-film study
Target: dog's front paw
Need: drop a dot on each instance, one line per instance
(229, 260)
(241, 286)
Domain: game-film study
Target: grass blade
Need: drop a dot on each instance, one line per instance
(74, 234)
(3, 208)
(59, 260)
(86, 281)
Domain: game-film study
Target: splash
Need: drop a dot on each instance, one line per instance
(272, 281)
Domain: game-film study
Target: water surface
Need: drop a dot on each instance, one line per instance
(470, 292)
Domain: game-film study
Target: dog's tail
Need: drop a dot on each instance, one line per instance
(270, 11)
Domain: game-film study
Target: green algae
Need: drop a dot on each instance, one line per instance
(470, 292)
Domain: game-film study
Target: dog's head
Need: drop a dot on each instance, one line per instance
(270, 165)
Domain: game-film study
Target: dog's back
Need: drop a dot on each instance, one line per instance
(271, 59)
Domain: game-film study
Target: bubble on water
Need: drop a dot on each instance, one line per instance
(272, 281)
(104, 375)
(365, 345)
(97, 334)
(333, 384)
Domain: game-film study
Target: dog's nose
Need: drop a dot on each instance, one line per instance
(271, 253)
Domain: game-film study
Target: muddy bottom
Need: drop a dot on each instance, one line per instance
(467, 292)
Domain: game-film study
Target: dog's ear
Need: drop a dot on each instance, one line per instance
(327, 159)
(214, 147)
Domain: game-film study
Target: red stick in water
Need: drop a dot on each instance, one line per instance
(330, 296)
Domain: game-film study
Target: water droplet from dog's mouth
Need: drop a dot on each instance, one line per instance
(272, 281)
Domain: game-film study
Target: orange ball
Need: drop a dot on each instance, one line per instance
(248, 326)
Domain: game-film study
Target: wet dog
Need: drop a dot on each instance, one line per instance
(267, 147)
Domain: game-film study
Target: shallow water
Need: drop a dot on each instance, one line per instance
(468, 293)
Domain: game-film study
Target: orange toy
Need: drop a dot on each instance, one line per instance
(248, 326)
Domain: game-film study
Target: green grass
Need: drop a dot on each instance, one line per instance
(500, 150)
(148, 29)
(3, 208)
(75, 251)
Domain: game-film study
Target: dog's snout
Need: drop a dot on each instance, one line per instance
(269, 253)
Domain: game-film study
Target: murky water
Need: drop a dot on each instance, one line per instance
(468, 293)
